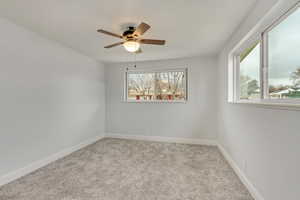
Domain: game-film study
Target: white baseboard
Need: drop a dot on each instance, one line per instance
(251, 188)
(43, 162)
(163, 139)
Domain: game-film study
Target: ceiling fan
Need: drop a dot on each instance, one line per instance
(132, 38)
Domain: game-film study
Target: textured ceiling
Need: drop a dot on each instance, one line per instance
(190, 27)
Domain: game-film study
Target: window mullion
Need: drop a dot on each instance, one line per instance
(126, 86)
(155, 85)
(236, 89)
(261, 68)
(264, 66)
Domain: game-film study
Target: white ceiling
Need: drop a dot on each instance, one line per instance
(190, 27)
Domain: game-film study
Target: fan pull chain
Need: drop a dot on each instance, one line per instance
(134, 60)
(127, 68)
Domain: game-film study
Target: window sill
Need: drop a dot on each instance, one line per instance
(279, 105)
(141, 101)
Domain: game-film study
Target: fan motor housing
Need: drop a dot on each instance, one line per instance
(129, 32)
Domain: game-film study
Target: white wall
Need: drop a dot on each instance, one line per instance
(51, 97)
(194, 119)
(264, 142)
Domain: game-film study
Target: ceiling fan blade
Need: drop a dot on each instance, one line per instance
(141, 29)
(113, 45)
(109, 33)
(150, 41)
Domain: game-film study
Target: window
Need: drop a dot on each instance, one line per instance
(249, 80)
(149, 86)
(269, 69)
(284, 58)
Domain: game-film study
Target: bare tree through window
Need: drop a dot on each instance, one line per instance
(168, 85)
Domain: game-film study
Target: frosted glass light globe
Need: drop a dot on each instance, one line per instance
(131, 46)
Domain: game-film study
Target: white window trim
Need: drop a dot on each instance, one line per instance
(233, 79)
(125, 92)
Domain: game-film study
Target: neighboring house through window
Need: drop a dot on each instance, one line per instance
(156, 85)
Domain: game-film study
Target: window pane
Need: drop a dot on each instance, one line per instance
(148, 86)
(284, 58)
(141, 86)
(170, 86)
(249, 73)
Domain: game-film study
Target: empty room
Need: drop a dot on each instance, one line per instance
(149, 100)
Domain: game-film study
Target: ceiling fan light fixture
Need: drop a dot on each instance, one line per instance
(131, 46)
(131, 38)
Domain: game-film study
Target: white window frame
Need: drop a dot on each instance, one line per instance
(236, 64)
(234, 92)
(184, 70)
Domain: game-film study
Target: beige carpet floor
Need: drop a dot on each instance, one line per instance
(115, 169)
